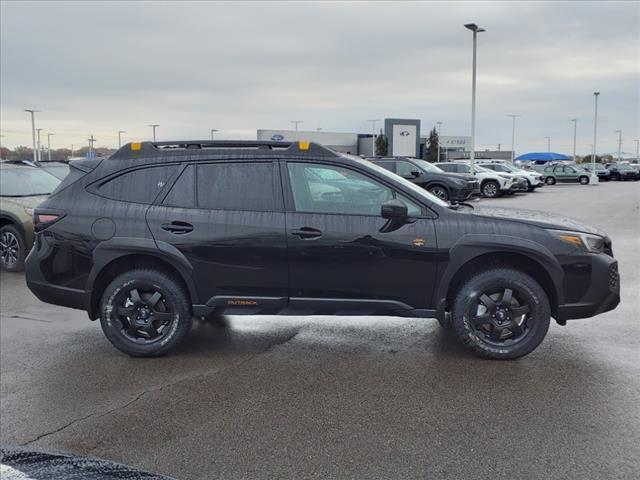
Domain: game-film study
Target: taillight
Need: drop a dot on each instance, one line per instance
(44, 219)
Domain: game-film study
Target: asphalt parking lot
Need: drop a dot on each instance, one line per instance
(340, 397)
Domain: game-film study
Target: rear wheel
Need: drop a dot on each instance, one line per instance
(550, 181)
(501, 314)
(440, 192)
(584, 180)
(490, 189)
(145, 313)
(12, 249)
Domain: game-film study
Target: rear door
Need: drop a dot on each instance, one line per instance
(227, 219)
(339, 254)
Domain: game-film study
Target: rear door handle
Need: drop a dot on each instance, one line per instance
(177, 227)
(307, 233)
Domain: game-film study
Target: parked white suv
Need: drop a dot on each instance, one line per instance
(534, 179)
(492, 184)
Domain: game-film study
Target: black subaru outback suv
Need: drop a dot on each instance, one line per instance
(161, 232)
(454, 187)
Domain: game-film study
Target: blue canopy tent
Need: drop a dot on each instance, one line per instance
(543, 157)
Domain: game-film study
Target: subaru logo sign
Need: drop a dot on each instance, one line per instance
(277, 137)
(404, 133)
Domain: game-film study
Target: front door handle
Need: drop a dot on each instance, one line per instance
(177, 227)
(307, 233)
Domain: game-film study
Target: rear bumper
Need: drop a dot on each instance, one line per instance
(602, 295)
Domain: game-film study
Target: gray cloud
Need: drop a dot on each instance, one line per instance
(98, 67)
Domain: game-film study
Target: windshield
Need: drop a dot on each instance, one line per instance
(26, 182)
(59, 171)
(427, 167)
(418, 191)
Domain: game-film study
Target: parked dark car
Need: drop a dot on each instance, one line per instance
(447, 186)
(160, 232)
(623, 171)
(604, 174)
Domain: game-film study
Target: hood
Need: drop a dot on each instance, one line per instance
(534, 217)
(27, 202)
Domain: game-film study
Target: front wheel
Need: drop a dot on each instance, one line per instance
(439, 192)
(12, 249)
(501, 314)
(584, 180)
(550, 181)
(145, 313)
(490, 189)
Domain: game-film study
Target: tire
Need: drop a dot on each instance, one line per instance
(439, 191)
(490, 189)
(513, 338)
(140, 302)
(550, 181)
(13, 249)
(584, 180)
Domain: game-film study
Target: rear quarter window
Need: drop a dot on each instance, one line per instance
(139, 186)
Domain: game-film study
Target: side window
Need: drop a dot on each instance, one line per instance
(557, 169)
(388, 165)
(183, 192)
(413, 209)
(569, 170)
(405, 169)
(447, 168)
(139, 186)
(236, 186)
(462, 168)
(331, 189)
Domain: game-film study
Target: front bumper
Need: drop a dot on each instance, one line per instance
(462, 194)
(601, 295)
(519, 186)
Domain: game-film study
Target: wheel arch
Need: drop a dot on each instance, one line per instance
(7, 218)
(471, 255)
(114, 258)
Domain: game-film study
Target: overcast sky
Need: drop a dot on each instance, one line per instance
(96, 68)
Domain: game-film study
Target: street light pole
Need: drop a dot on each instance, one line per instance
(91, 141)
(548, 145)
(475, 29)
(373, 136)
(575, 129)
(594, 177)
(38, 130)
(439, 127)
(296, 122)
(637, 150)
(619, 132)
(33, 133)
(513, 136)
(49, 144)
(213, 130)
(120, 132)
(154, 126)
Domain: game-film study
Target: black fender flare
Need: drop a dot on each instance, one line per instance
(471, 246)
(108, 251)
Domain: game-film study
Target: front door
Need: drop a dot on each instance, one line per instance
(340, 256)
(227, 219)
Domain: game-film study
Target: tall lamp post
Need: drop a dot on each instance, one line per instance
(213, 130)
(120, 132)
(594, 177)
(296, 122)
(575, 130)
(373, 135)
(475, 29)
(33, 133)
(49, 145)
(513, 136)
(548, 146)
(154, 126)
(38, 130)
(439, 127)
(637, 140)
(619, 132)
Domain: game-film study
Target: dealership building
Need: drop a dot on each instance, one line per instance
(403, 137)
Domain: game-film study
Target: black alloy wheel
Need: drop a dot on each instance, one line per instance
(501, 314)
(12, 249)
(145, 312)
(439, 192)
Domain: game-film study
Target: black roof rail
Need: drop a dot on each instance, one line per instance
(220, 147)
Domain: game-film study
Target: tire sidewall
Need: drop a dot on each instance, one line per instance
(502, 278)
(550, 181)
(584, 180)
(170, 290)
(443, 189)
(22, 249)
(495, 184)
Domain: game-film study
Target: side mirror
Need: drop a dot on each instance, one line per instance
(394, 209)
(416, 173)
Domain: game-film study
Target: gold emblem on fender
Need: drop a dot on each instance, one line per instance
(419, 242)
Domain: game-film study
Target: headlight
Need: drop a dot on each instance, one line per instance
(587, 241)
